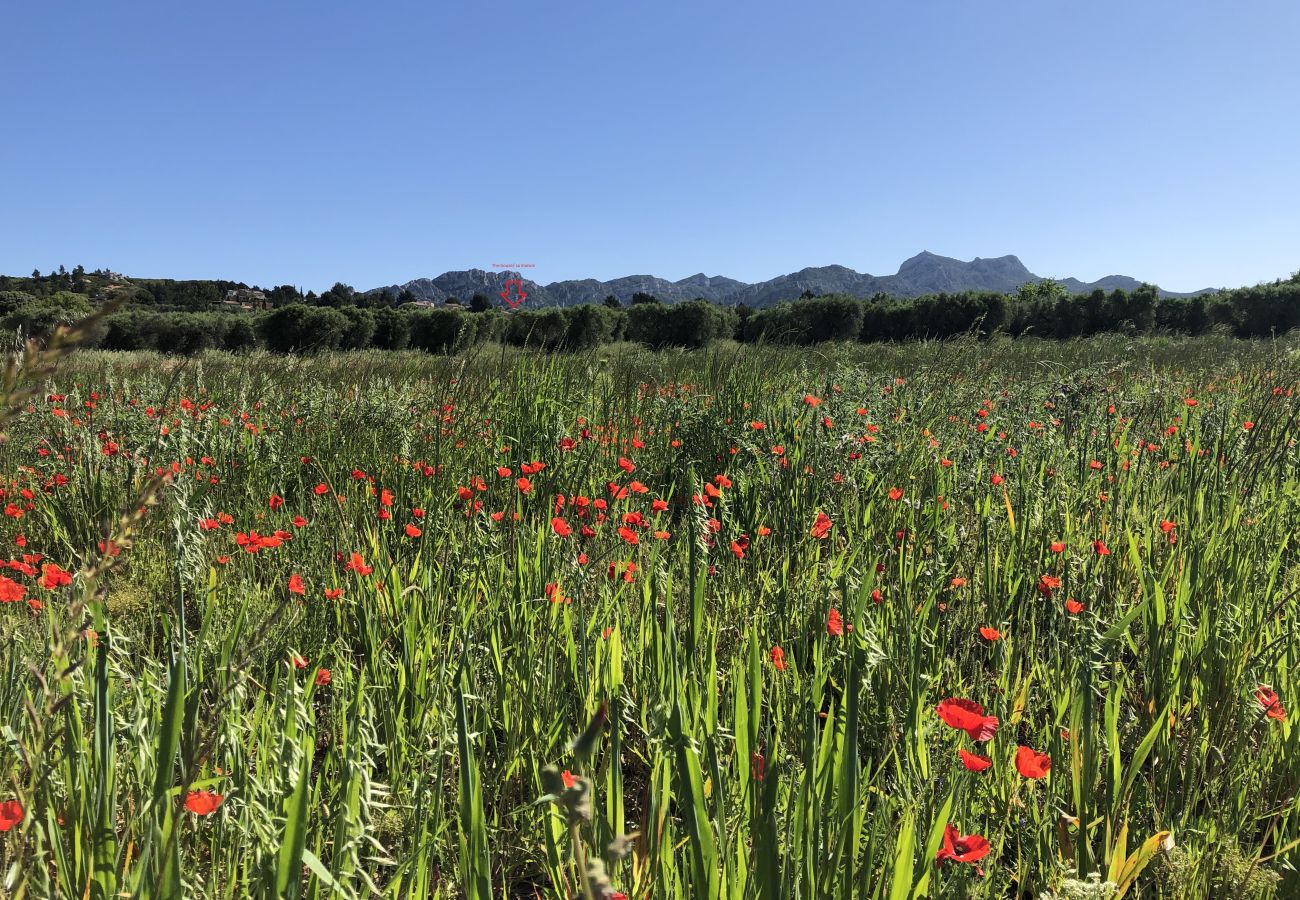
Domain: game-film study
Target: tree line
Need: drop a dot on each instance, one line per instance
(342, 319)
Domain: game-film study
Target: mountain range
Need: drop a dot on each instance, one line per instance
(925, 273)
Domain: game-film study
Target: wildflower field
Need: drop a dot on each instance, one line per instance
(982, 619)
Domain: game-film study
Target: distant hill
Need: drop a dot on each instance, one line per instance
(925, 273)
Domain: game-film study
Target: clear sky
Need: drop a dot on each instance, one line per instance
(374, 142)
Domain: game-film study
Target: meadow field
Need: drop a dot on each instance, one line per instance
(962, 619)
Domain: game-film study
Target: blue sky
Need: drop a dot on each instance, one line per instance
(305, 143)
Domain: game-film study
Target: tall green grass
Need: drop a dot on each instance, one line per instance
(455, 678)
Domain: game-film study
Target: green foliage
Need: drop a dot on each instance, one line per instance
(1227, 873)
(197, 296)
(304, 329)
(383, 321)
(392, 329)
(360, 329)
(466, 654)
(441, 330)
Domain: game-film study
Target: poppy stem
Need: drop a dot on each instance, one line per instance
(580, 857)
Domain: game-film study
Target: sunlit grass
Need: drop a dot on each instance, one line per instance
(966, 485)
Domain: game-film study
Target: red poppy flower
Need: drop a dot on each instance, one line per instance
(203, 803)
(295, 584)
(822, 526)
(968, 848)
(10, 590)
(973, 761)
(834, 624)
(996, 479)
(322, 677)
(1073, 607)
(1101, 548)
(990, 634)
(333, 593)
(275, 502)
(1268, 699)
(525, 486)
(778, 659)
(968, 716)
(1058, 546)
(358, 565)
(895, 494)
(52, 576)
(569, 780)
(1032, 764)
(11, 814)
(299, 661)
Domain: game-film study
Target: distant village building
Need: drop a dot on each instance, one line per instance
(244, 298)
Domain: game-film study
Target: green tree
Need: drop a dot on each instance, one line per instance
(303, 329)
(1142, 307)
(392, 329)
(283, 295)
(360, 328)
(338, 296)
